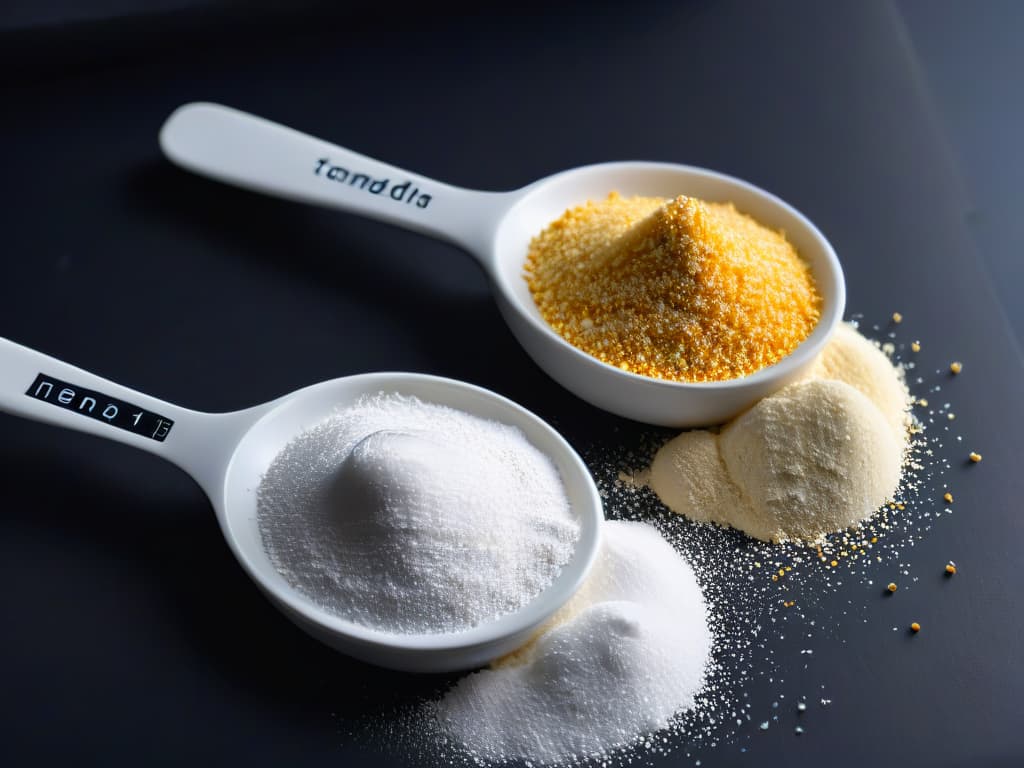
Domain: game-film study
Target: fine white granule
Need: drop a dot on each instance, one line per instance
(411, 517)
(628, 652)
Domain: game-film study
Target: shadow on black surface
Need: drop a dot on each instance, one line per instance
(367, 264)
(363, 262)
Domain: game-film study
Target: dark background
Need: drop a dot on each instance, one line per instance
(129, 634)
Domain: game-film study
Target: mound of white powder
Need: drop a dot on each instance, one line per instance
(628, 652)
(816, 457)
(412, 517)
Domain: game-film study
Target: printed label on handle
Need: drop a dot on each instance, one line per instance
(96, 405)
(404, 192)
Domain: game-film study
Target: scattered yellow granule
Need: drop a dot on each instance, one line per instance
(975, 457)
(915, 346)
(951, 569)
(680, 289)
(891, 587)
(915, 627)
(897, 317)
(948, 497)
(955, 367)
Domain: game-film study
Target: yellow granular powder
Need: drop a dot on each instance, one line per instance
(672, 289)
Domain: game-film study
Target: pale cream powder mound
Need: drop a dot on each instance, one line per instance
(860, 363)
(814, 458)
(819, 456)
(689, 476)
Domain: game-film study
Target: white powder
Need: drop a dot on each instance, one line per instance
(412, 517)
(628, 652)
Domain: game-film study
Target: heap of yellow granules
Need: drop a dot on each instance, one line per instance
(672, 289)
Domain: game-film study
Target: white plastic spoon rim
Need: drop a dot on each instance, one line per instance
(495, 227)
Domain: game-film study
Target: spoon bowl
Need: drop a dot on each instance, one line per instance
(655, 401)
(302, 410)
(229, 453)
(496, 228)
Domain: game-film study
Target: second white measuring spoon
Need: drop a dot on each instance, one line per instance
(496, 228)
(228, 454)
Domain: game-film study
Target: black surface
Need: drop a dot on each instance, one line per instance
(131, 636)
(971, 64)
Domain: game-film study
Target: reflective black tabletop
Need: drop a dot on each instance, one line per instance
(131, 636)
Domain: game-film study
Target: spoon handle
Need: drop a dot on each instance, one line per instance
(250, 152)
(42, 388)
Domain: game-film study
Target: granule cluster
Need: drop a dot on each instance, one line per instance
(678, 289)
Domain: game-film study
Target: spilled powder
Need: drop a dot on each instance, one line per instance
(412, 517)
(679, 289)
(624, 656)
(782, 612)
(816, 457)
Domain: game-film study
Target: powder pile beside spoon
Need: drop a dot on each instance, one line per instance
(626, 654)
(819, 456)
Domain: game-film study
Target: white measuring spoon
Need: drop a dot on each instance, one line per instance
(228, 454)
(496, 228)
